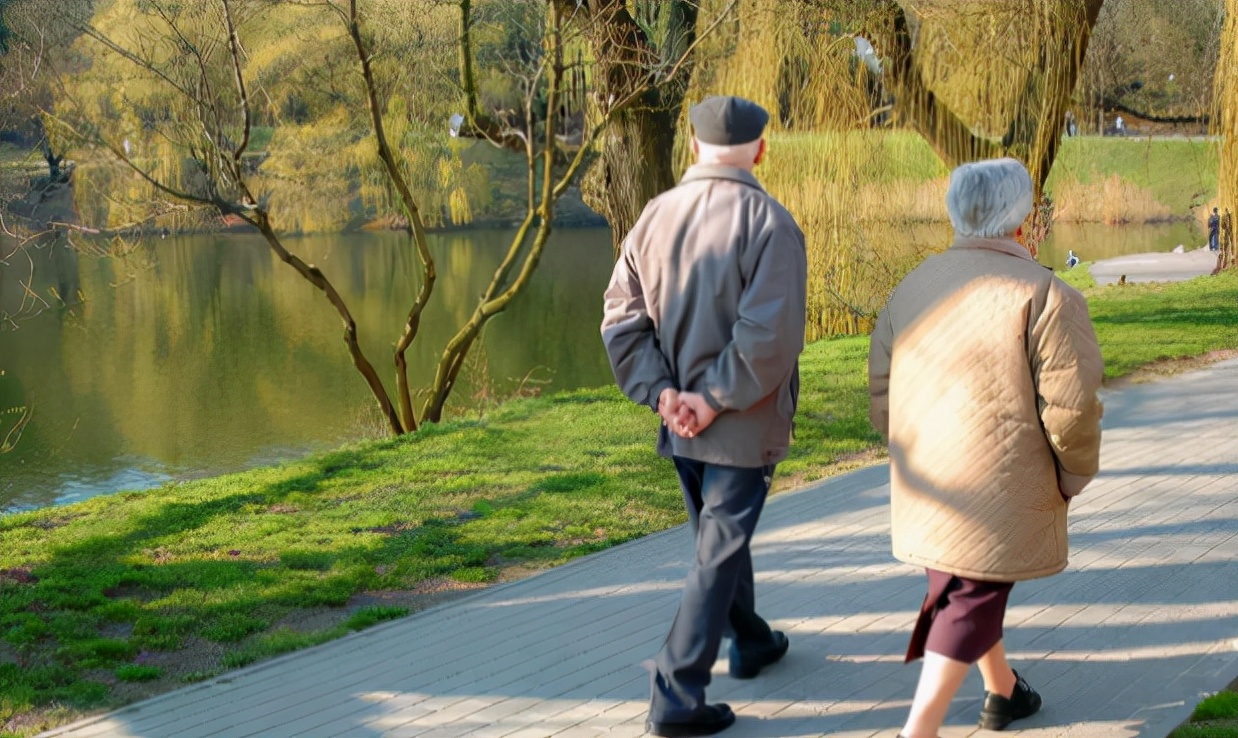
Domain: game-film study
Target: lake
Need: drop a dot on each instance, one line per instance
(191, 356)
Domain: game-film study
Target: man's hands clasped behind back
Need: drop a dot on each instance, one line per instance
(687, 414)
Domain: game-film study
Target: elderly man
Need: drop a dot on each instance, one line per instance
(704, 323)
(983, 374)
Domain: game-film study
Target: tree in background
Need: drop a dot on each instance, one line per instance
(1153, 60)
(643, 51)
(635, 47)
(196, 92)
(35, 42)
(1043, 44)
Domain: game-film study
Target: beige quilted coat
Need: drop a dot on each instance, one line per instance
(983, 374)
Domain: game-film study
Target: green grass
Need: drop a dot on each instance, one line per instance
(367, 616)
(138, 673)
(230, 562)
(1180, 173)
(883, 156)
(1138, 324)
(1215, 717)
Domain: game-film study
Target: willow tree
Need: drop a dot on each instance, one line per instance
(202, 60)
(1018, 63)
(1225, 120)
(642, 51)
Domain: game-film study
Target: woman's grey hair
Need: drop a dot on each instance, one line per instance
(989, 199)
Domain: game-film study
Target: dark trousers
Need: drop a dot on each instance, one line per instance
(724, 504)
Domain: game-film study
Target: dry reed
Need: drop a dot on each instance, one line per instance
(1112, 201)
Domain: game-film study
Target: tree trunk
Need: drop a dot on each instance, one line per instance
(53, 160)
(1035, 133)
(635, 166)
(1225, 89)
(916, 104)
(637, 156)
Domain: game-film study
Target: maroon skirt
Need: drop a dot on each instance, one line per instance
(960, 619)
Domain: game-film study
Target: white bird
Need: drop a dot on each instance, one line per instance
(868, 55)
(1072, 260)
(126, 145)
(455, 122)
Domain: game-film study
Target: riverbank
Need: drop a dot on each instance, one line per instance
(1094, 180)
(120, 597)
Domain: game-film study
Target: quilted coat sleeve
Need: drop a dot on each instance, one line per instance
(1068, 370)
(879, 349)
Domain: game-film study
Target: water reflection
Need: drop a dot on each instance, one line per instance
(1094, 241)
(195, 355)
(191, 356)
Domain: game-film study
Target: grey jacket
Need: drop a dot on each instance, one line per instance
(709, 296)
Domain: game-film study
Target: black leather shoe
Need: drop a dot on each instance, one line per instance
(999, 711)
(747, 660)
(711, 719)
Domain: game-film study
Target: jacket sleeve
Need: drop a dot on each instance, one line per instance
(1068, 370)
(880, 350)
(768, 335)
(631, 337)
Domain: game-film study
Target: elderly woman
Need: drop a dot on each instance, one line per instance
(983, 374)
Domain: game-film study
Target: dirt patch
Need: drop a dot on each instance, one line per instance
(1170, 367)
(53, 523)
(19, 575)
(841, 465)
(424, 595)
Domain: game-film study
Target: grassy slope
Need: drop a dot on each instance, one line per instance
(93, 591)
(1178, 172)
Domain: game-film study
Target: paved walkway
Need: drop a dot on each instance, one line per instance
(1123, 643)
(1155, 267)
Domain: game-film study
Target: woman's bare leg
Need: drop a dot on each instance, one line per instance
(998, 676)
(940, 679)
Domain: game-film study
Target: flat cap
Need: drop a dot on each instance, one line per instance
(724, 120)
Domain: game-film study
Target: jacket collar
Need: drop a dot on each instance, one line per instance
(720, 171)
(1001, 245)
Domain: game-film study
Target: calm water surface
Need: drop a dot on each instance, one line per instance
(204, 354)
(198, 355)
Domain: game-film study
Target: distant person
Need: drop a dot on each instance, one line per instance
(704, 323)
(1072, 127)
(1072, 260)
(983, 376)
(1119, 125)
(1214, 230)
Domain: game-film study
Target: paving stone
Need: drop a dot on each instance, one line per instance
(1123, 643)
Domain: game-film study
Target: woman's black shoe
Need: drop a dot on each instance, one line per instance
(999, 711)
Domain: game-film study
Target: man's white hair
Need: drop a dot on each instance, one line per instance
(989, 199)
(739, 155)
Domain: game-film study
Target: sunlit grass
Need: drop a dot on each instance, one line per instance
(1138, 324)
(226, 565)
(1215, 717)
